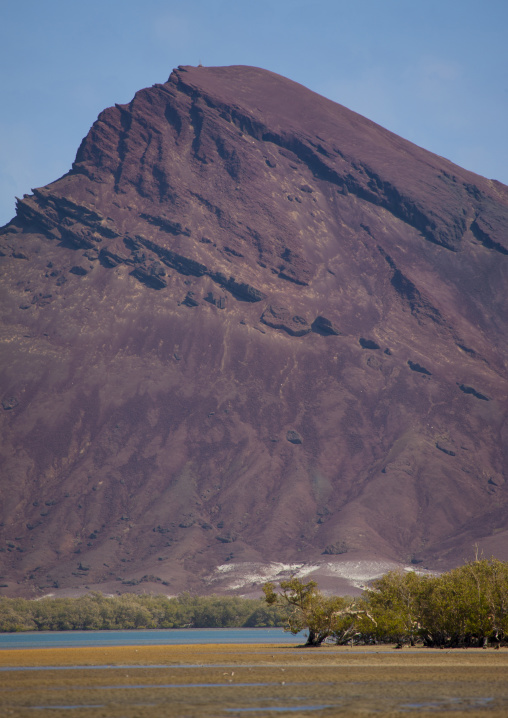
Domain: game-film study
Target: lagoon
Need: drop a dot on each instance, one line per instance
(154, 637)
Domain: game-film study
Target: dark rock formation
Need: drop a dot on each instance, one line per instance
(281, 318)
(294, 437)
(473, 392)
(9, 403)
(309, 227)
(152, 276)
(217, 300)
(190, 300)
(240, 290)
(445, 448)
(414, 366)
(78, 270)
(322, 325)
(369, 344)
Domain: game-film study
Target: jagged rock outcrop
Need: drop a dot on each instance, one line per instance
(323, 325)
(350, 394)
(282, 318)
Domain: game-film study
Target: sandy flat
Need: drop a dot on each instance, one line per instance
(257, 680)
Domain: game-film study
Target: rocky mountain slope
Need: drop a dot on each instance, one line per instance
(250, 329)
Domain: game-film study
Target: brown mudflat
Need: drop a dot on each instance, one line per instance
(262, 680)
(250, 326)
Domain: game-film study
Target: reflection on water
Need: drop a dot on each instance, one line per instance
(122, 666)
(86, 668)
(66, 708)
(279, 709)
(449, 704)
(275, 709)
(179, 685)
(129, 686)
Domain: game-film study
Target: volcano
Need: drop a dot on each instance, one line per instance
(250, 332)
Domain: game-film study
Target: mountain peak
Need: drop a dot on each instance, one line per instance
(250, 327)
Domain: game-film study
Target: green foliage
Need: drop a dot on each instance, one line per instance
(322, 616)
(394, 602)
(467, 606)
(130, 611)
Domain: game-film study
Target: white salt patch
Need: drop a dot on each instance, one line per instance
(357, 573)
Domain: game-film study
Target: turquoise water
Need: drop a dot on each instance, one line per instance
(173, 636)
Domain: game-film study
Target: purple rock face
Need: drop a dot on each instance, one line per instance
(250, 326)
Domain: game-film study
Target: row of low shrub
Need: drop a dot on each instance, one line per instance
(467, 606)
(95, 611)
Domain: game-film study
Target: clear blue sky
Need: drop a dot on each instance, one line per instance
(433, 71)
